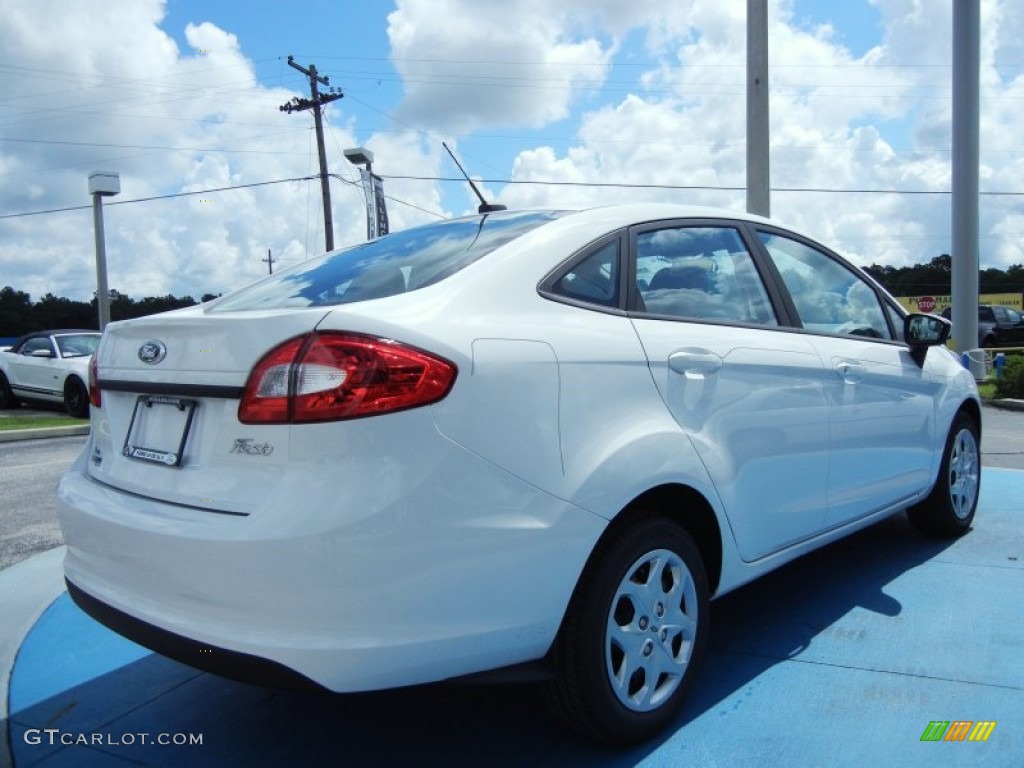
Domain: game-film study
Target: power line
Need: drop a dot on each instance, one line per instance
(595, 184)
(158, 197)
(691, 187)
(172, 195)
(154, 146)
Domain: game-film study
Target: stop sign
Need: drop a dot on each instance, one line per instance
(926, 303)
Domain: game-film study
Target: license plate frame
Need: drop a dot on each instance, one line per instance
(140, 431)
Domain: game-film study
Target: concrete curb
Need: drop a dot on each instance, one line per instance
(28, 588)
(1007, 404)
(12, 435)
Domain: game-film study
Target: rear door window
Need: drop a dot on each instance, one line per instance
(700, 273)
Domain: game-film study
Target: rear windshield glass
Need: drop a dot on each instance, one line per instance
(399, 262)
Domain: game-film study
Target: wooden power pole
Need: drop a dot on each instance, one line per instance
(316, 101)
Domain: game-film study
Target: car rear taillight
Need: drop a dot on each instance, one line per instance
(331, 376)
(94, 382)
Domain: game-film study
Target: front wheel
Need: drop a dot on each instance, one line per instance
(76, 398)
(949, 509)
(633, 635)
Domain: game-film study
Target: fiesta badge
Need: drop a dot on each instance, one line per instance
(152, 352)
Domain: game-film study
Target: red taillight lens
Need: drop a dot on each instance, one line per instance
(332, 376)
(94, 383)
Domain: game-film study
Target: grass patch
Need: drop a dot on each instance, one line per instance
(34, 422)
(987, 390)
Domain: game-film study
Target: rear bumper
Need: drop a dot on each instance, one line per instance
(220, 661)
(471, 570)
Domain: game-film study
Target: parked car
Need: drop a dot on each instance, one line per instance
(529, 440)
(998, 326)
(49, 367)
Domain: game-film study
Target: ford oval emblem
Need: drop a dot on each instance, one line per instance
(152, 352)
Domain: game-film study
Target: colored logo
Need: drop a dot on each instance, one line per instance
(958, 730)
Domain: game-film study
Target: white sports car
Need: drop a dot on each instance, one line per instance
(537, 440)
(50, 367)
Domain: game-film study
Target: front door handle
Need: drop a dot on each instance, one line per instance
(849, 372)
(694, 361)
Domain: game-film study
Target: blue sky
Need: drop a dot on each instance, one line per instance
(182, 96)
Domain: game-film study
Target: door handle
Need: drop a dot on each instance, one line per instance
(694, 361)
(849, 372)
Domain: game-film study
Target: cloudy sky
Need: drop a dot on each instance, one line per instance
(182, 96)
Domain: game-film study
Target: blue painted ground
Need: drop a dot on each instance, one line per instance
(842, 658)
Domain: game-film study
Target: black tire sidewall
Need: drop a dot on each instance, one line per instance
(935, 515)
(943, 499)
(6, 395)
(612, 721)
(82, 396)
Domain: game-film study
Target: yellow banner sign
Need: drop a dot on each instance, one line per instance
(935, 304)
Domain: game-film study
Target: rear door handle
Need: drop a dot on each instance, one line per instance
(694, 361)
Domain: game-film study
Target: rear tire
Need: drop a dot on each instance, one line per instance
(7, 398)
(949, 509)
(76, 398)
(633, 635)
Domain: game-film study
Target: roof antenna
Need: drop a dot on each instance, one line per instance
(485, 207)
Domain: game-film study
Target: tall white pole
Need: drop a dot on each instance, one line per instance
(758, 175)
(102, 184)
(102, 292)
(966, 86)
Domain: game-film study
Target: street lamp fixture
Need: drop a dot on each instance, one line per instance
(102, 184)
(360, 156)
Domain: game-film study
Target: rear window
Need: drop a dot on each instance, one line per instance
(397, 263)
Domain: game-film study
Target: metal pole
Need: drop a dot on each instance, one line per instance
(966, 79)
(102, 292)
(325, 187)
(758, 173)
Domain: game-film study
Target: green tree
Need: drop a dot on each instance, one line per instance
(16, 312)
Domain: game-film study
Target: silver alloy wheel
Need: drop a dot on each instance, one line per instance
(651, 630)
(963, 473)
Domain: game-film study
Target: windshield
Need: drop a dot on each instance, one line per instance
(77, 344)
(400, 262)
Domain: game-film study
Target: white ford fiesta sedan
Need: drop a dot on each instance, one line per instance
(529, 440)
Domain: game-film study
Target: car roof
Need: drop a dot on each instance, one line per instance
(56, 332)
(628, 213)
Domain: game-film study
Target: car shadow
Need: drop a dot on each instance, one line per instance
(777, 618)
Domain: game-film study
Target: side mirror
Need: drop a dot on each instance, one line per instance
(923, 331)
(41, 353)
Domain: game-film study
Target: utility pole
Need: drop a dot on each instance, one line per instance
(966, 86)
(758, 169)
(316, 101)
(270, 262)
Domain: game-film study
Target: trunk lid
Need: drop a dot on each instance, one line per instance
(168, 427)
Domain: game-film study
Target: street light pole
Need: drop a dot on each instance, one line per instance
(102, 184)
